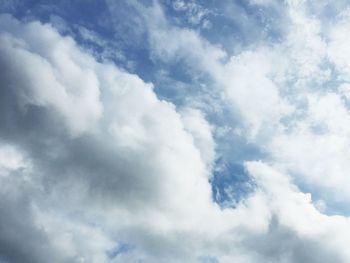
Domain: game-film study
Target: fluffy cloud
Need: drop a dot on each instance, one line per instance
(96, 168)
(61, 84)
(102, 141)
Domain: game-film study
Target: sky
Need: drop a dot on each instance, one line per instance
(174, 131)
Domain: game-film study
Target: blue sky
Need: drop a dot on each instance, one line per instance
(174, 131)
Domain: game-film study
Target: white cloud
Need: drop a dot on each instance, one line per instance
(111, 163)
(317, 147)
(246, 82)
(10, 160)
(125, 160)
(195, 123)
(66, 81)
(337, 46)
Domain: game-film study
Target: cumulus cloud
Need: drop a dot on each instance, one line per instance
(96, 168)
(96, 137)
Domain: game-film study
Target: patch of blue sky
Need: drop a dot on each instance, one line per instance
(113, 33)
(230, 183)
(122, 248)
(177, 83)
(72, 12)
(208, 259)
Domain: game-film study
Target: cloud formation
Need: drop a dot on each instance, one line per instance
(95, 167)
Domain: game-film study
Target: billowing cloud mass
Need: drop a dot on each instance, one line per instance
(101, 162)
